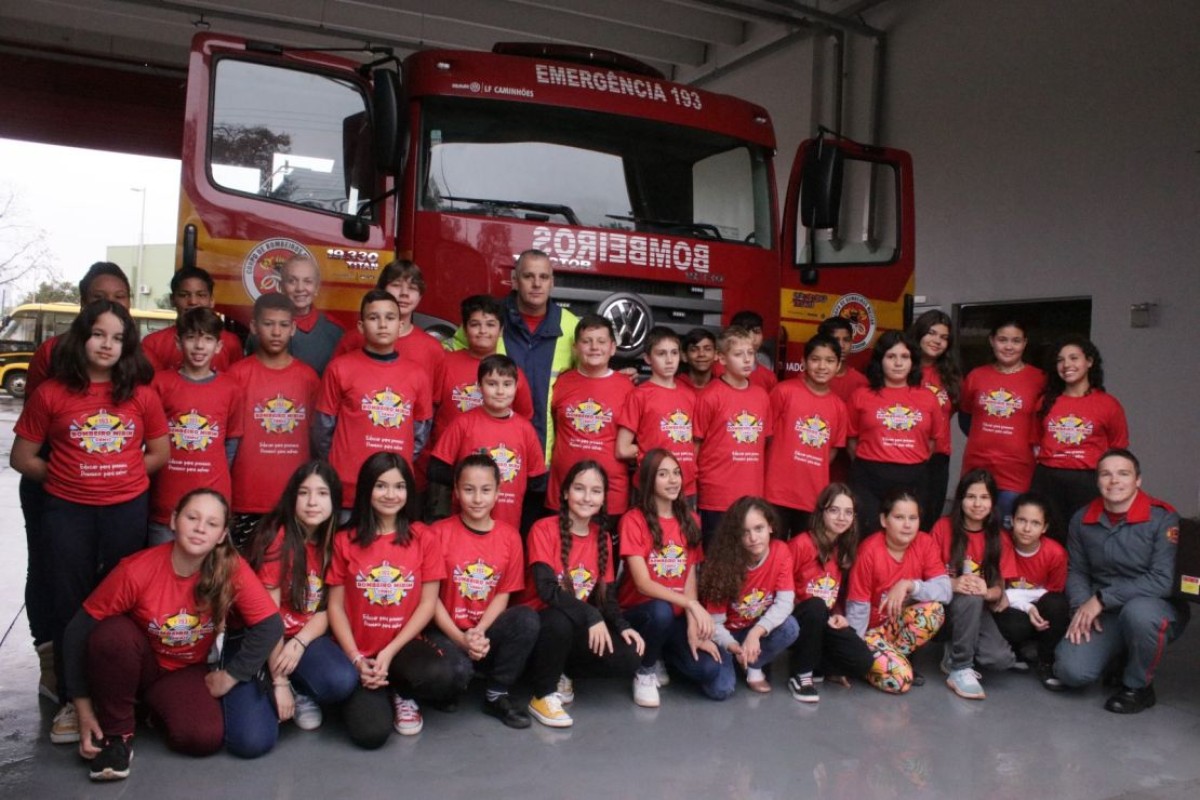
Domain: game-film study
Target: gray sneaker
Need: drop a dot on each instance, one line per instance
(965, 684)
(307, 715)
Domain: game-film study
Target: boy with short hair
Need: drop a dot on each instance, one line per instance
(585, 405)
(191, 287)
(278, 394)
(316, 336)
(848, 379)
(370, 401)
(204, 420)
(732, 426)
(699, 356)
(495, 430)
(660, 412)
(403, 280)
(753, 322)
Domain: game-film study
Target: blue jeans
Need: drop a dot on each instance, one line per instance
(324, 673)
(718, 679)
(655, 620)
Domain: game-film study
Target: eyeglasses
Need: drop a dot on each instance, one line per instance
(840, 512)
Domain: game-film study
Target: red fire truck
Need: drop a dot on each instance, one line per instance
(656, 201)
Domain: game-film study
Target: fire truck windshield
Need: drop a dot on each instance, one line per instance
(542, 163)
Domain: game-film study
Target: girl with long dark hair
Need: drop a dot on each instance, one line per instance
(941, 375)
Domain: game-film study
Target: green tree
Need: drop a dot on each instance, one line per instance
(53, 292)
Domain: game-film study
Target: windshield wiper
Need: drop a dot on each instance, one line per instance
(513, 205)
(703, 230)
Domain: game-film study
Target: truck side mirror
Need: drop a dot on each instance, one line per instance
(386, 122)
(821, 185)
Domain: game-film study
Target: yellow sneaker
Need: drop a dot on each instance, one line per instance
(548, 710)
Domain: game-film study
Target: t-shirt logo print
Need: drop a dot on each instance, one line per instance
(103, 432)
(813, 431)
(745, 428)
(466, 397)
(677, 426)
(1070, 429)
(508, 461)
(193, 431)
(180, 630)
(314, 588)
(278, 414)
(669, 562)
(943, 397)
(476, 581)
(899, 417)
(825, 588)
(1000, 403)
(384, 585)
(589, 416)
(754, 604)
(386, 408)
(582, 581)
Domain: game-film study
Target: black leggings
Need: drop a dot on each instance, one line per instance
(422, 671)
(1016, 628)
(795, 521)
(835, 651)
(937, 481)
(562, 648)
(872, 480)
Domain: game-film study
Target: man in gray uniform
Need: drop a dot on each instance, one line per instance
(1119, 583)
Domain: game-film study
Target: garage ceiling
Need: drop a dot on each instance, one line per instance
(689, 40)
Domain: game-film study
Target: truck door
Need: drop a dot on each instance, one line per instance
(847, 244)
(278, 157)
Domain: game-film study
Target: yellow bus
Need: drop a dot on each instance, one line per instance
(33, 323)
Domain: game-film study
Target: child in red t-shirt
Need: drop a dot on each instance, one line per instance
(204, 421)
(478, 628)
(845, 382)
(661, 544)
(290, 554)
(941, 376)
(821, 562)
(699, 358)
(585, 405)
(571, 583)
(733, 423)
(95, 416)
(748, 587)
(762, 376)
(372, 401)
(496, 431)
(809, 421)
(383, 580)
(1034, 569)
(898, 592)
(145, 634)
(191, 287)
(969, 543)
(659, 413)
(279, 392)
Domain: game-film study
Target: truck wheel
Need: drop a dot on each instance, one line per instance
(14, 383)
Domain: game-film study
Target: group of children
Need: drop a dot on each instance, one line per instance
(344, 595)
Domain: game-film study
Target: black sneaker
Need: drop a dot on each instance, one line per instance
(803, 691)
(502, 709)
(918, 679)
(1045, 673)
(112, 764)
(1131, 701)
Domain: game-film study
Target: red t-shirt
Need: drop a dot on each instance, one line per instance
(201, 417)
(932, 381)
(383, 582)
(417, 346)
(511, 442)
(875, 571)
(733, 425)
(895, 425)
(662, 417)
(95, 444)
(276, 419)
(457, 391)
(270, 573)
(759, 588)
(760, 376)
(585, 427)
(376, 404)
(1044, 569)
(814, 579)
(1078, 430)
(846, 384)
(972, 555)
(163, 604)
(545, 547)
(478, 567)
(807, 427)
(1003, 409)
(39, 365)
(164, 354)
(669, 565)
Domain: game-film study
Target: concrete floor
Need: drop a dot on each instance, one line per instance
(857, 744)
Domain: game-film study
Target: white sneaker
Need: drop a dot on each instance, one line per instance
(660, 674)
(566, 690)
(645, 690)
(407, 720)
(307, 715)
(65, 727)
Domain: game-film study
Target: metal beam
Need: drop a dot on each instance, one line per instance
(799, 13)
(654, 15)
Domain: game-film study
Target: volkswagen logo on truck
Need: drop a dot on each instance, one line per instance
(631, 320)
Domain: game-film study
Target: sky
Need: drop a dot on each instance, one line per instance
(84, 200)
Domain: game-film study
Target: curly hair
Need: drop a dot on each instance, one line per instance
(600, 520)
(845, 547)
(727, 561)
(1055, 385)
(647, 502)
(991, 527)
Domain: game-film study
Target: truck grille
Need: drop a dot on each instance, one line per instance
(678, 306)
